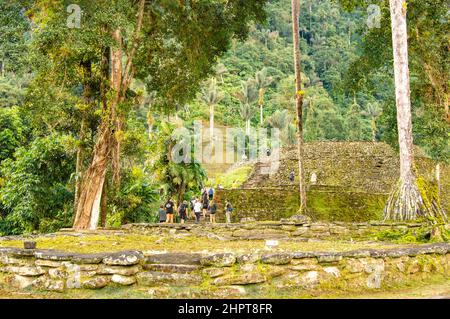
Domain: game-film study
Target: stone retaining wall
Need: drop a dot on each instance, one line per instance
(223, 274)
(284, 229)
(325, 203)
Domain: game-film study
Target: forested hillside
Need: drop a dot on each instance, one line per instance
(348, 75)
(330, 38)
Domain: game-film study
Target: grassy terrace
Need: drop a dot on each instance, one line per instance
(91, 243)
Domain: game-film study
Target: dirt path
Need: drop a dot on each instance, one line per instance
(426, 291)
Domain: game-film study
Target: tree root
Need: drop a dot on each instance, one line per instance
(414, 199)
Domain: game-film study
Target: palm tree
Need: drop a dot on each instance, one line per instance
(221, 69)
(247, 96)
(150, 100)
(211, 96)
(247, 112)
(372, 112)
(279, 119)
(282, 121)
(262, 82)
(353, 121)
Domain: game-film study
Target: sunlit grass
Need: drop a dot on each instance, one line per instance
(115, 242)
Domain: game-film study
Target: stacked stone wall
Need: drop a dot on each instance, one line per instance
(223, 274)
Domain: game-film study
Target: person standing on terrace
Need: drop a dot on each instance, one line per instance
(197, 210)
(228, 211)
(212, 211)
(170, 206)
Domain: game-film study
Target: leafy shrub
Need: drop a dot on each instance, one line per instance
(34, 193)
(136, 200)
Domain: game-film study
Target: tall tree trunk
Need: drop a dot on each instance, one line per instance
(373, 125)
(92, 185)
(262, 91)
(402, 88)
(79, 163)
(299, 102)
(211, 122)
(261, 117)
(88, 210)
(116, 82)
(104, 205)
(87, 98)
(406, 201)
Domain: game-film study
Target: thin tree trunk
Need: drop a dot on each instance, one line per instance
(406, 201)
(104, 205)
(374, 129)
(261, 119)
(211, 122)
(438, 179)
(402, 89)
(310, 16)
(299, 102)
(116, 81)
(79, 164)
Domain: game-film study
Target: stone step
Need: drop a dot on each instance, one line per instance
(174, 259)
(155, 278)
(171, 268)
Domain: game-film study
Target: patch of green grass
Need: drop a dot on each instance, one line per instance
(409, 235)
(235, 178)
(114, 242)
(347, 207)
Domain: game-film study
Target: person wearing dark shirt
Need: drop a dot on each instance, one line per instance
(292, 176)
(212, 211)
(182, 210)
(162, 214)
(211, 193)
(228, 211)
(169, 210)
(205, 202)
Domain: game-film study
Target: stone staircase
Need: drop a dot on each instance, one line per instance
(256, 177)
(263, 169)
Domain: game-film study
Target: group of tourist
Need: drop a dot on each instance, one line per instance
(197, 208)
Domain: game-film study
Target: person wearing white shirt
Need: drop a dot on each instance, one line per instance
(197, 210)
